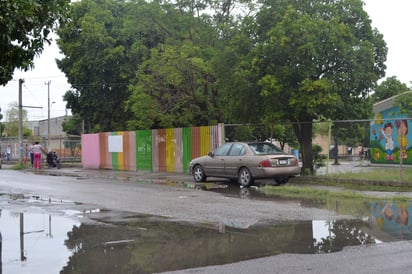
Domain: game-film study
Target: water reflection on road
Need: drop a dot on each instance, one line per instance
(33, 243)
(124, 242)
(385, 220)
(389, 220)
(144, 244)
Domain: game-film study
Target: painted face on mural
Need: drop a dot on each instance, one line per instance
(388, 128)
(403, 129)
(403, 215)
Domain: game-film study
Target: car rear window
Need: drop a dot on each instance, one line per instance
(265, 148)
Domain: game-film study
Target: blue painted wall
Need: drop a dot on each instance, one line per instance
(391, 137)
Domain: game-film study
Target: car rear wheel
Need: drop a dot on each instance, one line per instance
(198, 174)
(281, 180)
(245, 177)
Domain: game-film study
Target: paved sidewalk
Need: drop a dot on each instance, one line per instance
(347, 167)
(76, 170)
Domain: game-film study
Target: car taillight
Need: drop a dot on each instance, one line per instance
(265, 163)
(296, 162)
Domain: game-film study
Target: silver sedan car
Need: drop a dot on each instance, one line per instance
(246, 161)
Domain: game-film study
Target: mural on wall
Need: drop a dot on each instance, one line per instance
(390, 139)
(392, 218)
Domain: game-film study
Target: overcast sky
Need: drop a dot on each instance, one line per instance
(389, 17)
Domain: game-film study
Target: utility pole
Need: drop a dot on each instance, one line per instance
(21, 81)
(48, 115)
(1, 136)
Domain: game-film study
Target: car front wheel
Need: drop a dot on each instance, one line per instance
(198, 174)
(245, 177)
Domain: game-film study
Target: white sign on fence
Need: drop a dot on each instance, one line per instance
(115, 143)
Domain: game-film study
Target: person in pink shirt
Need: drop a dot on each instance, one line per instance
(37, 150)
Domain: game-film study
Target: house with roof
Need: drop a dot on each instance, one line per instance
(391, 133)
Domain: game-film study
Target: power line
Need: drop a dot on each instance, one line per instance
(41, 77)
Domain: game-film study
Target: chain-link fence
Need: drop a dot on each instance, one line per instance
(382, 140)
(68, 148)
(343, 139)
(348, 139)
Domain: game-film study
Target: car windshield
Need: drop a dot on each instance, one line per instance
(265, 148)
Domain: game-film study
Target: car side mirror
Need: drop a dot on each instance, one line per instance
(211, 154)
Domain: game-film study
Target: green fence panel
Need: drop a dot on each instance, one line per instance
(187, 148)
(144, 150)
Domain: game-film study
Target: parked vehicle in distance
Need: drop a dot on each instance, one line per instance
(246, 161)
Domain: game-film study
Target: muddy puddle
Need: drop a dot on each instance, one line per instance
(122, 242)
(102, 241)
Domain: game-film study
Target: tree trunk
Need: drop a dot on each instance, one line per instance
(303, 132)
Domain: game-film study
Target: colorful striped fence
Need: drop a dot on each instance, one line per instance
(164, 150)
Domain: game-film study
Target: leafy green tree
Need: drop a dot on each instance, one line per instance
(11, 128)
(25, 27)
(73, 125)
(136, 64)
(352, 133)
(312, 59)
(243, 132)
(103, 45)
(179, 91)
(318, 157)
(391, 86)
(180, 84)
(404, 101)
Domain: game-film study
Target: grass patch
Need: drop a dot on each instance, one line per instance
(369, 178)
(18, 166)
(389, 174)
(323, 194)
(364, 186)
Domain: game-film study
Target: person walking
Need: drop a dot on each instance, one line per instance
(37, 150)
(8, 151)
(26, 154)
(31, 155)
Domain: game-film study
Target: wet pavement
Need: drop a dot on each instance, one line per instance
(73, 238)
(124, 242)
